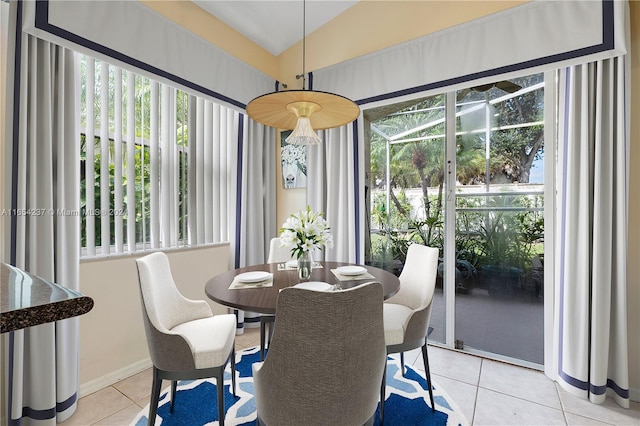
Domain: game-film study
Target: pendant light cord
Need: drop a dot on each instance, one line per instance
(304, 43)
(304, 46)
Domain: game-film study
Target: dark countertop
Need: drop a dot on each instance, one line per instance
(27, 300)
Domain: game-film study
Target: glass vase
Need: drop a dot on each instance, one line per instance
(304, 266)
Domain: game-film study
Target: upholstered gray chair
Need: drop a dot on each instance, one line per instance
(326, 358)
(407, 313)
(186, 341)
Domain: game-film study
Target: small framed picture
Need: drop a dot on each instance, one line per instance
(294, 163)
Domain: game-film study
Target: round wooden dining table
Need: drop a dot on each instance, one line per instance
(263, 299)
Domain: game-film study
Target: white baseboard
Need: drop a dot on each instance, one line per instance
(634, 394)
(111, 378)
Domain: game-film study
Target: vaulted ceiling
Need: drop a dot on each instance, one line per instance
(275, 25)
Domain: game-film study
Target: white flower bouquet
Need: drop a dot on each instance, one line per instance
(304, 231)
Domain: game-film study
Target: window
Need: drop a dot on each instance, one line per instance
(154, 163)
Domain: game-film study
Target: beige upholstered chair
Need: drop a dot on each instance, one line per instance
(407, 313)
(186, 341)
(326, 359)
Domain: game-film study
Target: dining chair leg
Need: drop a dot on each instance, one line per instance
(265, 320)
(383, 391)
(155, 395)
(272, 323)
(263, 333)
(427, 371)
(233, 370)
(174, 386)
(220, 386)
(402, 363)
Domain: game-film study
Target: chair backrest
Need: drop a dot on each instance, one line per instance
(163, 302)
(326, 357)
(278, 254)
(163, 307)
(418, 277)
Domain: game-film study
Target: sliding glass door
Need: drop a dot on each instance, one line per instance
(499, 222)
(485, 183)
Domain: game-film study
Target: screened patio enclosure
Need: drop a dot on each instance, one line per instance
(476, 192)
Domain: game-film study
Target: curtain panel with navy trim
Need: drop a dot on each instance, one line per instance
(590, 332)
(42, 360)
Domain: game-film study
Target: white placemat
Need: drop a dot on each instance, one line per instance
(364, 276)
(315, 285)
(235, 284)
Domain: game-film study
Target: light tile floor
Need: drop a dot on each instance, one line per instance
(487, 392)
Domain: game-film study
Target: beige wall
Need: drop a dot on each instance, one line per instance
(112, 340)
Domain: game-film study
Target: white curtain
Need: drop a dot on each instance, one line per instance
(255, 218)
(257, 195)
(591, 299)
(335, 187)
(43, 360)
(213, 134)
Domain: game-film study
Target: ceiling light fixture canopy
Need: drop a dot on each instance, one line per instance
(304, 110)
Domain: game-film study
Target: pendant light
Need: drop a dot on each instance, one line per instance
(304, 110)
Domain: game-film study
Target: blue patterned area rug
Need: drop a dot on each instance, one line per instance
(407, 400)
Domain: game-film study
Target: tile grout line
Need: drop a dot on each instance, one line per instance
(564, 413)
(475, 401)
(562, 410)
(117, 411)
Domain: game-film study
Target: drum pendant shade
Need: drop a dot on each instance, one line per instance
(278, 109)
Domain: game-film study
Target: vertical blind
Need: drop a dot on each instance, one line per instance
(154, 166)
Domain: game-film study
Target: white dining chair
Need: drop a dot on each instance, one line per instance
(407, 313)
(277, 254)
(186, 341)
